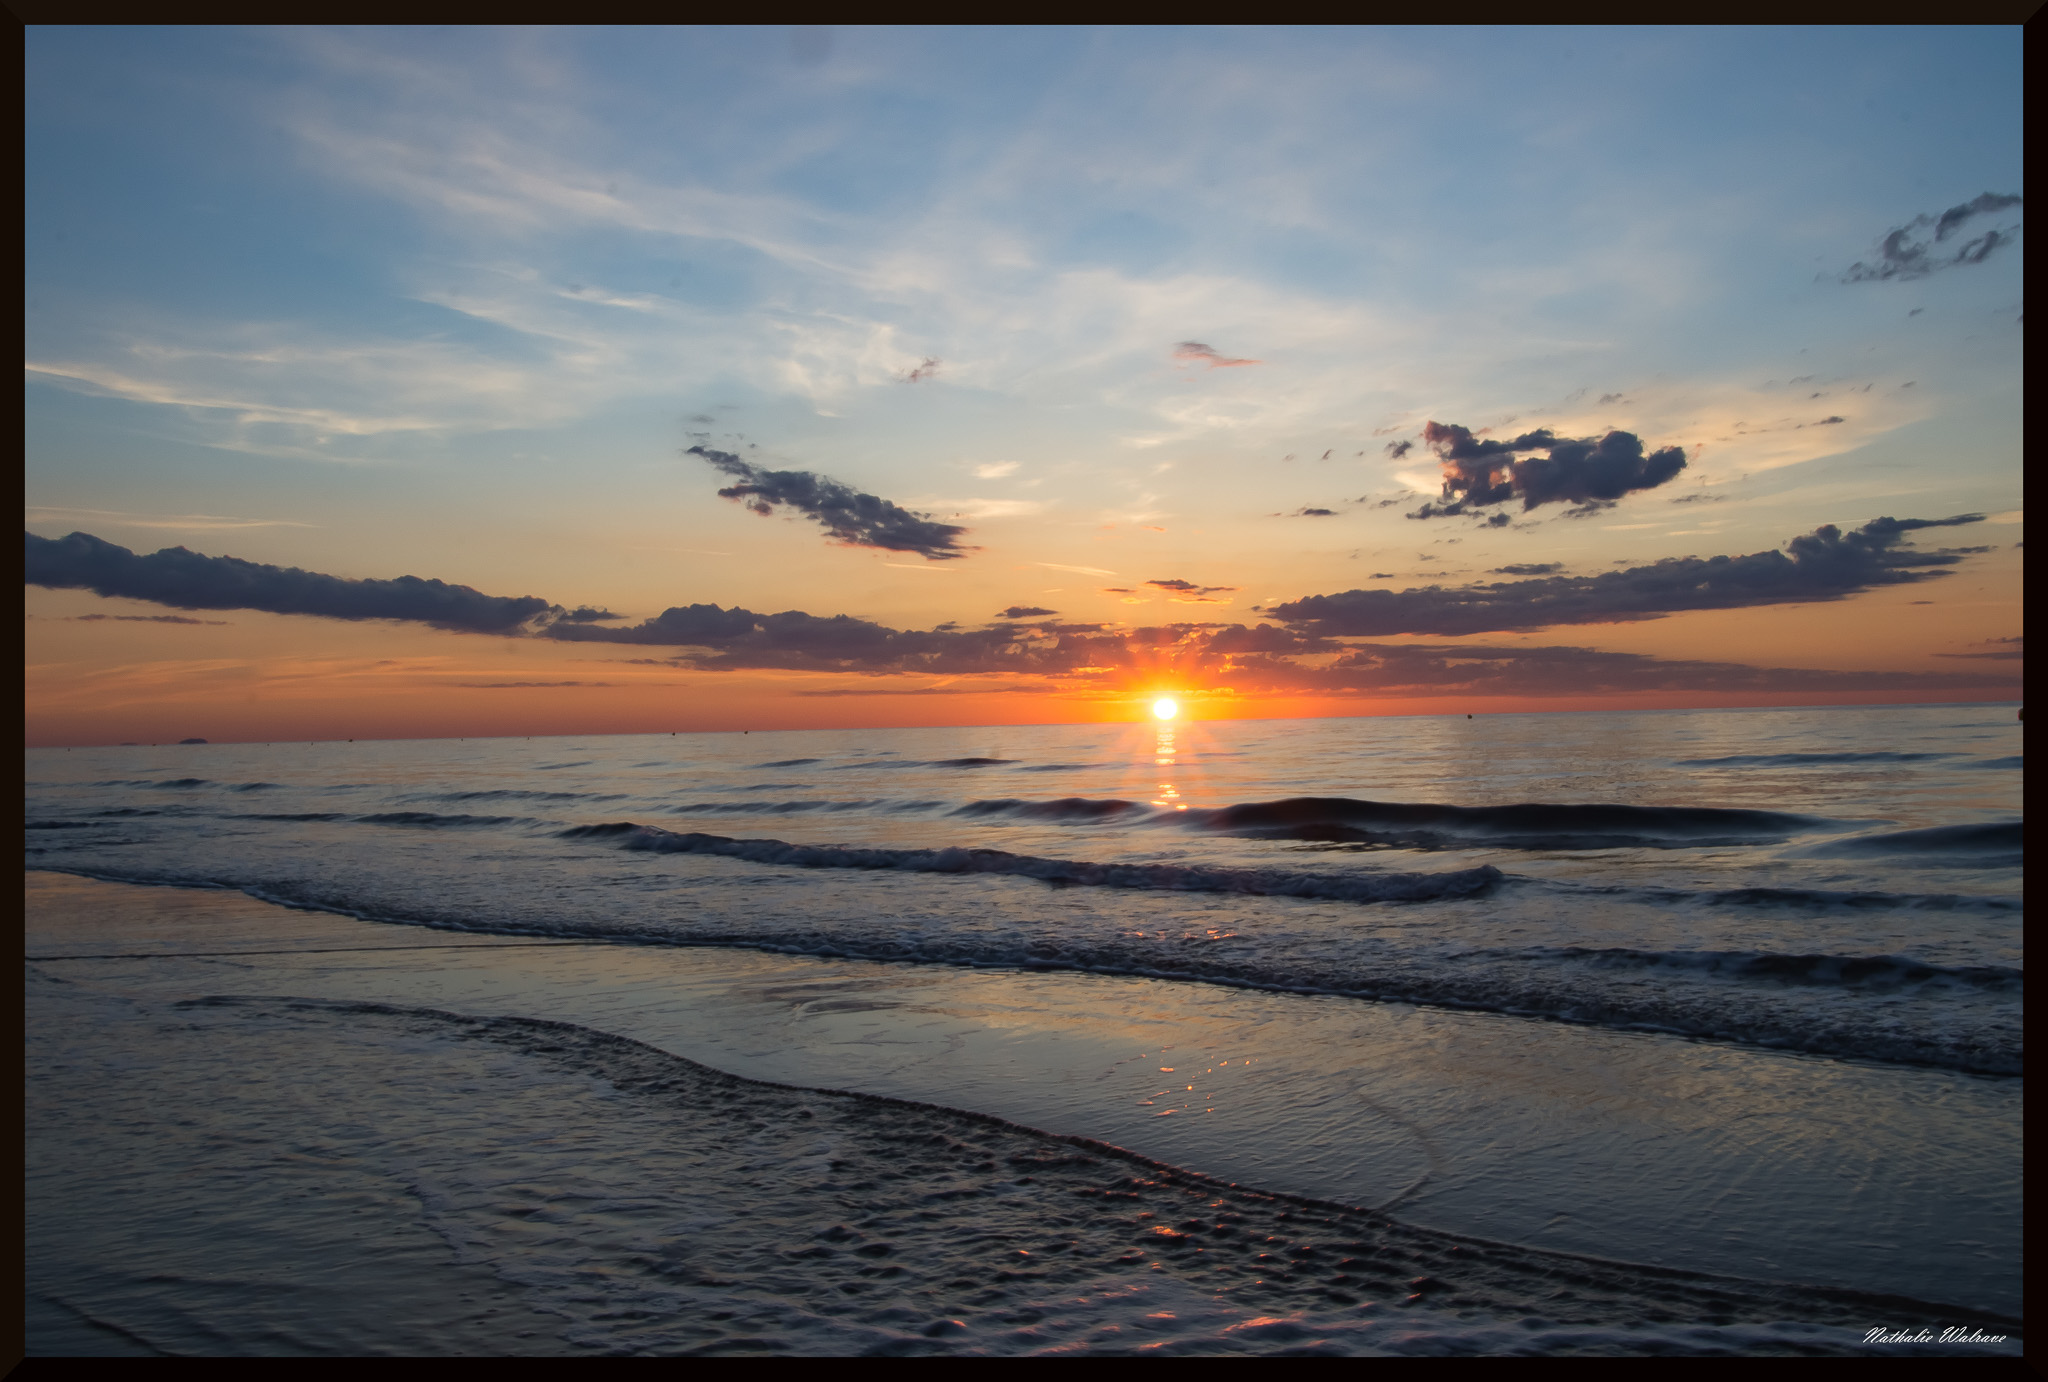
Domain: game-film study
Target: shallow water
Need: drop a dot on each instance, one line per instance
(1745, 1007)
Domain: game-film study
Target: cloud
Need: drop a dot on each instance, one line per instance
(187, 580)
(1590, 472)
(1900, 255)
(1826, 564)
(145, 619)
(854, 519)
(1398, 449)
(182, 522)
(1303, 655)
(925, 369)
(995, 470)
(1190, 588)
(1382, 669)
(1313, 513)
(1188, 593)
(1529, 568)
(2002, 650)
(524, 685)
(1195, 350)
(1025, 612)
(1084, 570)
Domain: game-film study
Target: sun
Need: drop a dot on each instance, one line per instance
(1165, 708)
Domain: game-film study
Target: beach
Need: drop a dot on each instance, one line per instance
(560, 1128)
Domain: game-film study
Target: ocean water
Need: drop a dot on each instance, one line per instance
(1735, 993)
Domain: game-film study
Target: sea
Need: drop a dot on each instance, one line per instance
(1663, 1032)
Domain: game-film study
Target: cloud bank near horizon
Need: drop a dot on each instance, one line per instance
(185, 579)
(1826, 564)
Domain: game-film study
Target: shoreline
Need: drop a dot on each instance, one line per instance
(836, 1018)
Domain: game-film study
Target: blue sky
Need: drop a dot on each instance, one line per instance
(453, 302)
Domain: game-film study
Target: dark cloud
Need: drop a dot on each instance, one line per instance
(1313, 513)
(2002, 650)
(1190, 588)
(1025, 612)
(1236, 640)
(1826, 564)
(1302, 654)
(1607, 398)
(926, 368)
(187, 580)
(1529, 568)
(1398, 449)
(145, 619)
(584, 614)
(1584, 471)
(1208, 355)
(855, 519)
(1905, 253)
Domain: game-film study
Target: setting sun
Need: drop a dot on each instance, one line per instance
(1165, 708)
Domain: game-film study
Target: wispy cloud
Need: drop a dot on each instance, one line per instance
(186, 522)
(1208, 355)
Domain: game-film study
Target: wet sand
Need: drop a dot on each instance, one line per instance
(528, 1164)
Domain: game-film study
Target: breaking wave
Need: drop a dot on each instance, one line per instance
(1374, 887)
(1422, 825)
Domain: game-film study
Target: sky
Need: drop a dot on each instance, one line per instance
(427, 382)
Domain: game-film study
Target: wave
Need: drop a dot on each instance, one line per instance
(1869, 973)
(1882, 1008)
(187, 784)
(1805, 760)
(2015, 762)
(1056, 768)
(175, 783)
(1528, 825)
(1376, 887)
(789, 763)
(771, 808)
(431, 819)
(512, 794)
(1998, 842)
(1417, 825)
(1819, 899)
(924, 763)
(1059, 809)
